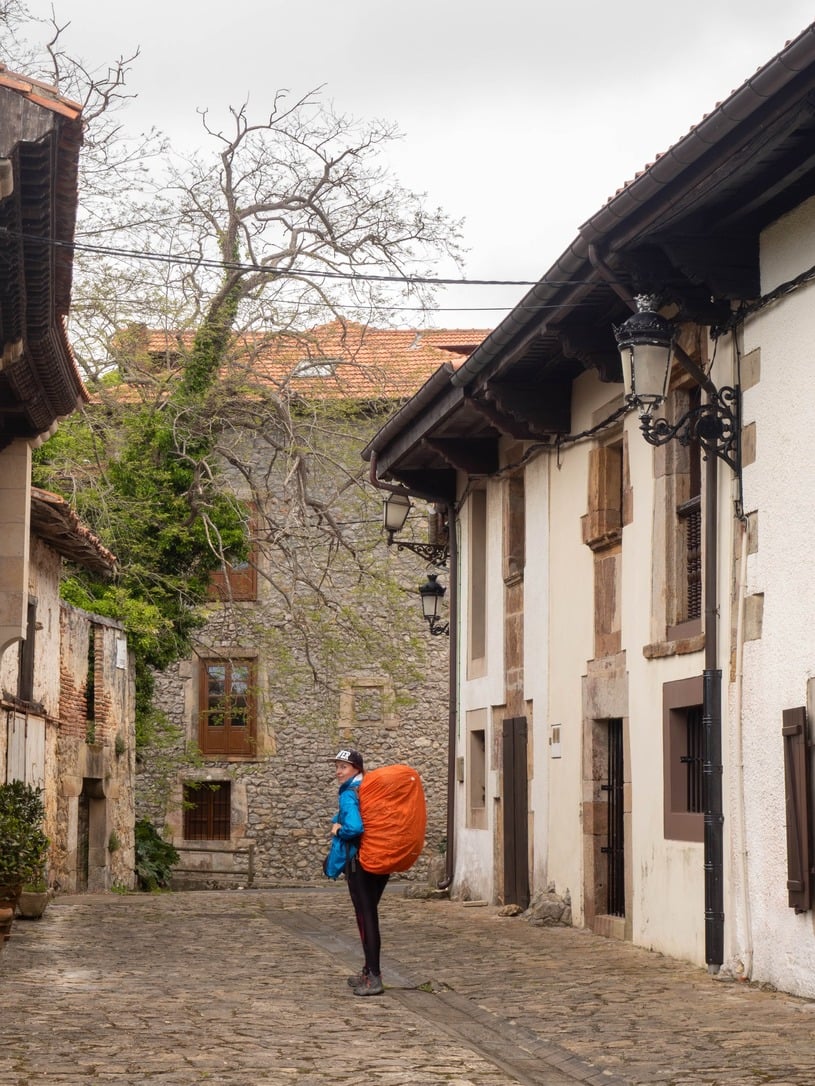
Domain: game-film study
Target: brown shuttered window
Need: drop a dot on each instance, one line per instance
(797, 783)
(238, 581)
(207, 811)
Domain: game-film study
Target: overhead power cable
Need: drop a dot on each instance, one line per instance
(185, 260)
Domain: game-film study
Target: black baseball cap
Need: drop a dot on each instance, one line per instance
(353, 757)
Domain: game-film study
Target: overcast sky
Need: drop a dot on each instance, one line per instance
(521, 116)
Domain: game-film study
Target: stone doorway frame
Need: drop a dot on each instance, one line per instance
(605, 697)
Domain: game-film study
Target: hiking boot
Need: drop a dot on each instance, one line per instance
(371, 985)
(356, 979)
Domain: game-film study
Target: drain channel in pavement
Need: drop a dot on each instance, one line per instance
(516, 1051)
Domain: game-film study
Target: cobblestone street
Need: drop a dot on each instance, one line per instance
(248, 988)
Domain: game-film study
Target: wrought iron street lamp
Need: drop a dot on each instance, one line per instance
(395, 509)
(432, 593)
(647, 343)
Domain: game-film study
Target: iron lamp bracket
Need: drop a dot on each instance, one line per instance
(716, 425)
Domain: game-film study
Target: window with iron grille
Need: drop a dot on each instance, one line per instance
(690, 521)
(683, 749)
(207, 811)
(690, 513)
(683, 511)
(692, 759)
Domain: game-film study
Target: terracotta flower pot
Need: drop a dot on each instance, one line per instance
(10, 894)
(6, 920)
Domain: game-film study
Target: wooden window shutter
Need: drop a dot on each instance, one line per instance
(797, 783)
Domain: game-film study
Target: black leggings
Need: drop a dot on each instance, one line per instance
(366, 889)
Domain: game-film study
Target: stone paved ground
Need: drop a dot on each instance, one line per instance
(247, 988)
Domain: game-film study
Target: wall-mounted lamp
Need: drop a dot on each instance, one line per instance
(432, 593)
(647, 343)
(395, 508)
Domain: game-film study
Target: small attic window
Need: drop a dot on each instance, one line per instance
(315, 367)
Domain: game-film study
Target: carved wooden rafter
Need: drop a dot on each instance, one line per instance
(432, 484)
(473, 456)
(696, 271)
(525, 413)
(594, 348)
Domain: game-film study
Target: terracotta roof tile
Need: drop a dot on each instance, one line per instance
(340, 359)
(41, 93)
(53, 520)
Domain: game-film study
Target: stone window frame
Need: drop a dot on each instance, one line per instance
(475, 768)
(206, 799)
(228, 657)
(349, 684)
(477, 626)
(678, 697)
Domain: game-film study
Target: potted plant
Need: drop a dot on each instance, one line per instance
(34, 897)
(23, 845)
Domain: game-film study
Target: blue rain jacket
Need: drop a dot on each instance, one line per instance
(345, 844)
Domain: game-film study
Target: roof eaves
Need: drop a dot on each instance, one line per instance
(54, 521)
(39, 92)
(667, 168)
(429, 391)
(573, 274)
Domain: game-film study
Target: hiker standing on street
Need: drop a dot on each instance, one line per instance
(365, 887)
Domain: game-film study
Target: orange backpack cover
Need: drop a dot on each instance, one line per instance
(391, 800)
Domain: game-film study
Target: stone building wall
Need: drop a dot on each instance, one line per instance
(85, 771)
(380, 685)
(94, 847)
(282, 804)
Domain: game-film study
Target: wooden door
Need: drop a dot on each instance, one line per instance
(515, 812)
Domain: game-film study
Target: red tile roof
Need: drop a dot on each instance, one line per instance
(340, 359)
(41, 93)
(53, 520)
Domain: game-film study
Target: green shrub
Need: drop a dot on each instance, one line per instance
(23, 845)
(155, 857)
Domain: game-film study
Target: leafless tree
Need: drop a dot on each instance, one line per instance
(281, 221)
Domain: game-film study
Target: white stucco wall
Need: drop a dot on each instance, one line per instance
(474, 846)
(536, 663)
(780, 487)
(571, 642)
(667, 906)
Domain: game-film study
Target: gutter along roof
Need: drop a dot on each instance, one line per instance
(40, 138)
(687, 227)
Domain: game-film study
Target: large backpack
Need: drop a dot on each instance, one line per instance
(394, 815)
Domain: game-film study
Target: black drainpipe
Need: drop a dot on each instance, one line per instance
(452, 702)
(712, 725)
(711, 676)
(452, 670)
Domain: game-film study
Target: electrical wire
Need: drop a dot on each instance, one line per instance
(184, 260)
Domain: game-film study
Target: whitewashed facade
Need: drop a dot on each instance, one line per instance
(587, 611)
